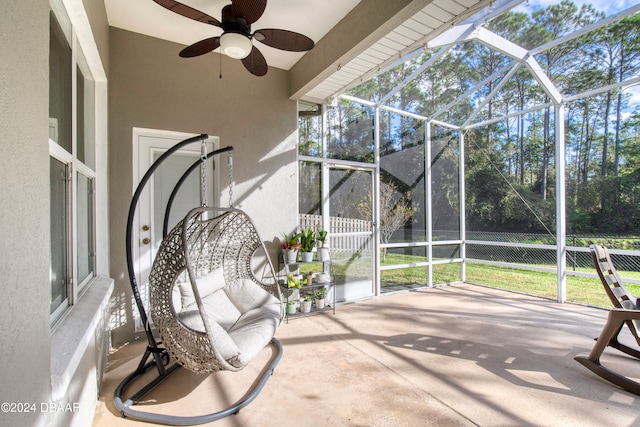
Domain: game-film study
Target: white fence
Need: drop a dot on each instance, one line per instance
(343, 232)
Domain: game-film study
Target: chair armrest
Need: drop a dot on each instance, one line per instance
(617, 315)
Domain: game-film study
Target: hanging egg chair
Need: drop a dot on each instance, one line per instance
(214, 300)
(211, 310)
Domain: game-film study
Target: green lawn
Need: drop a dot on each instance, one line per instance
(579, 289)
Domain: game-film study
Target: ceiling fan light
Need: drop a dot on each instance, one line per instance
(235, 45)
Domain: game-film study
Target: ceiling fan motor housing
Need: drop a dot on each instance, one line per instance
(234, 24)
(235, 41)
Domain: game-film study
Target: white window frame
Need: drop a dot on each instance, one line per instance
(84, 55)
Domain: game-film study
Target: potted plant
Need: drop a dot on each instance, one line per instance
(308, 278)
(305, 303)
(307, 243)
(294, 282)
(322, 237)
(323, 246)
(291, 307)
(290, 247)
(322, 277)
(319, 296)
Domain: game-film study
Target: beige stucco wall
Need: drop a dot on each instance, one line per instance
(26, 336)
(97, 15)
(24, 207)
(151, 87)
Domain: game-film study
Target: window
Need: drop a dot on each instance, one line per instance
(59, 246)
(72, 166)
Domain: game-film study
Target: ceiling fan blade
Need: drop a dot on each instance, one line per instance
(284, 39)
(201, 47)
(251, 10)
(255, 63)
(188, 12)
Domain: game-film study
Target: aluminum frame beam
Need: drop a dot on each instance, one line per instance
(415, 74)
(476, 87)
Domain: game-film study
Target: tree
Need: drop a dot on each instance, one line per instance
(600, 132)
(558, 20)
(395, 212)
(626, 36)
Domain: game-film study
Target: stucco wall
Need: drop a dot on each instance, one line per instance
(24, 207)
(97, 15)
(151, 87)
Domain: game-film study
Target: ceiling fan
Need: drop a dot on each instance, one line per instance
(235, 40)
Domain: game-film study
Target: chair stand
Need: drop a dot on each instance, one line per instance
(609, 337)
(125, 407)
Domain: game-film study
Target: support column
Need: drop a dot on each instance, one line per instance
(324, 174)
(376, 204)
(428, 198)
(463, 217)
(561, 223)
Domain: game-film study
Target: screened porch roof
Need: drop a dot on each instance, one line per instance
(405, 40)
(441, 41)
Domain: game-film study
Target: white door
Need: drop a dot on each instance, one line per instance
(149, 145)
(351, 229)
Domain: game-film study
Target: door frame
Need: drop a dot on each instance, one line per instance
(329, 164)
(142, 159)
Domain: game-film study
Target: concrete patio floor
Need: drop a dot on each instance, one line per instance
(455, 355)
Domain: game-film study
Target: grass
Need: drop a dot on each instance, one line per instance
(579, 289)
(582, 290)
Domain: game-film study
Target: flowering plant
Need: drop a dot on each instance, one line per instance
(291, 241)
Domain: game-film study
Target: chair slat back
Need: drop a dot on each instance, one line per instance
(618, 294)
(614, 286)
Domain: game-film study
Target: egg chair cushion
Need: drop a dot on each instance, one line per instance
(243, 318)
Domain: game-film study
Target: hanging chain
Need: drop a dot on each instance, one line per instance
(203, 173)
(230, 166)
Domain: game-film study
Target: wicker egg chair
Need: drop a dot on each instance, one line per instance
(209, 307)
(214, 300)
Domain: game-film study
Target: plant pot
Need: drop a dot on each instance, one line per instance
(323, 254)
(307, 256)
(291, 307)
(320, 303)
(291, 255)
(305, 306)
(322, 278)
